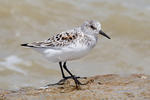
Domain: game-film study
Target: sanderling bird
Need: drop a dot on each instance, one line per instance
(69, 45)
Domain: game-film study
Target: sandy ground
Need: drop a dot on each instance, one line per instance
(100, 87)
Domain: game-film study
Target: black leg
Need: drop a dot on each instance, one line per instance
(62, 81)
(65, 67)
(62, 72)
(77, 82)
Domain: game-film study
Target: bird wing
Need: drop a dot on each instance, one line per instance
(57, 41)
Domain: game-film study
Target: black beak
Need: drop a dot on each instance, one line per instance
(102, 33)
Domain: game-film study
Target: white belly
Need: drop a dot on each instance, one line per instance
(65, 53)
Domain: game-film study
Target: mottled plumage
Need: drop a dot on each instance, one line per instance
(60, 40)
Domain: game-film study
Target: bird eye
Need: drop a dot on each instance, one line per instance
(93, 27)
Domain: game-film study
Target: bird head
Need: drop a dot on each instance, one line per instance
(93, 27)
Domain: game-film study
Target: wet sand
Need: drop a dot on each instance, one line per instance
(100, 87)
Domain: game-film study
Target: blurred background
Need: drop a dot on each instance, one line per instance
(126, 22)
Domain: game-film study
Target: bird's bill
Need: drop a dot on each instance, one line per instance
(104, 34)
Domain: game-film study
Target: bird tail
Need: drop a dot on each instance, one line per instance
(27, 45)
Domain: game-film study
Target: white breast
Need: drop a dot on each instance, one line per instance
(65, 53)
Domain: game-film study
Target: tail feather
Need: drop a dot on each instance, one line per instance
(26, 45)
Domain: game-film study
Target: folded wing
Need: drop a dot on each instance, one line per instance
(56, 41)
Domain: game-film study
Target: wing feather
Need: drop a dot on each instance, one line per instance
(57, 41)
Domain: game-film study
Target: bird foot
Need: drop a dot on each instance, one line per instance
(75, 78)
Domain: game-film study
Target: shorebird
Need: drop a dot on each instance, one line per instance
(69, 45)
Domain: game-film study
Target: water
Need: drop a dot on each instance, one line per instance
(126, 22)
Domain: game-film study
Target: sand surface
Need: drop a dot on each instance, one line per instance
(100, 87)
